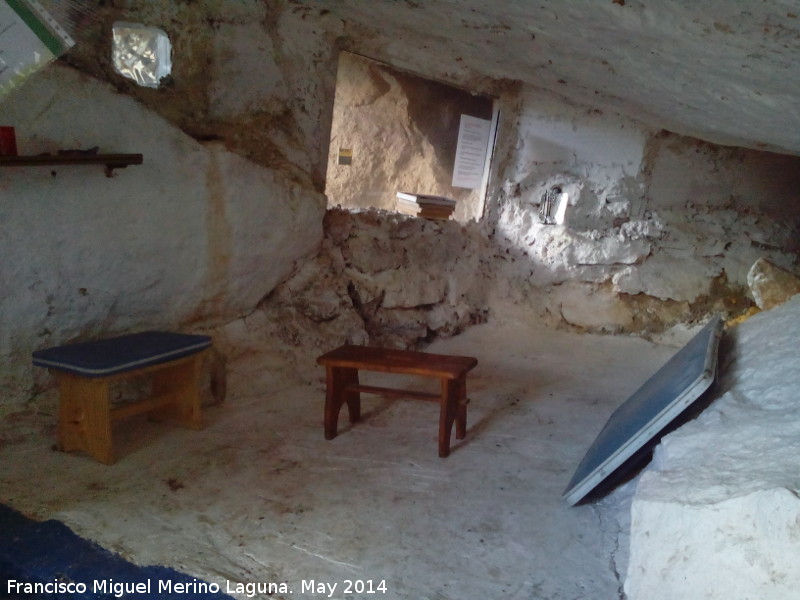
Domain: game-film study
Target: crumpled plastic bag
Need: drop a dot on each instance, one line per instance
(141, 53)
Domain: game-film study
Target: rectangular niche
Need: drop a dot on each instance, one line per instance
(393, 131)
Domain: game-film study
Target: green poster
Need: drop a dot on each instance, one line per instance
(29, 39)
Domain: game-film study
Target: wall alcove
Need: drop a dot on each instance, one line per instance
(394, 131)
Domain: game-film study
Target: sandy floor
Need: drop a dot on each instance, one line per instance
(261, 496)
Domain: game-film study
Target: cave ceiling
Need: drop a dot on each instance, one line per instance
(727, 71)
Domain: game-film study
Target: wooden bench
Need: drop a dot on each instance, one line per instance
(85, 371)
(343, 387)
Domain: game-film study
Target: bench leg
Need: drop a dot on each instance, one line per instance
(337, 394)
(461, 415)
(453, 409)
(181, 380)
(84, 417)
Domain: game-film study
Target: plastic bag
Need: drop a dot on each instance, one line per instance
(141, 53)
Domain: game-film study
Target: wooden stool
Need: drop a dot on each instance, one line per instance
(342, 366)
(84, 372)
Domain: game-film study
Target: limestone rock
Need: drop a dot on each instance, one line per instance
(338, 225)
(196, 235)
(367, 290)
(667, 278)
(585, 250)
(642, 228)
(589, 307)
(409, 288)
(398, 328)
(259, 226)
(370, 251)
(750, 544)
(234, 62)
(771, 285)
(447, 320)
(381, 279)
(725, 523)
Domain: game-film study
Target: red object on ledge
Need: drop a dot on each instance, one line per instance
(8, 141)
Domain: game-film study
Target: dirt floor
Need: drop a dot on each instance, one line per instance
(261, 496)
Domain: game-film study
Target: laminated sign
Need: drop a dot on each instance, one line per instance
(471, 152)
(29, 39)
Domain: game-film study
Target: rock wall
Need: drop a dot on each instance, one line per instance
(194, 237)
(222, 229)
(717, 513)
(257, 76)
(660, 229)
(380, 278)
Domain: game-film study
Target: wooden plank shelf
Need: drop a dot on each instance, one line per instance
(110, 161)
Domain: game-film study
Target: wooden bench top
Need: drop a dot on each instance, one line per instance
(408, 362)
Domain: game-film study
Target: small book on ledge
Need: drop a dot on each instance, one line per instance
(426, 199)
(425, 205)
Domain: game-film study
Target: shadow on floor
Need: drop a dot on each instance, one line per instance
(45, 559)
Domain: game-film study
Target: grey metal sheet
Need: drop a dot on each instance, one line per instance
(663, 397)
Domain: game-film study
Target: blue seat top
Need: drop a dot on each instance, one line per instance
(110, 356)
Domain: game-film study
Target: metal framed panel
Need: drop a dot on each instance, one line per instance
(649, 411)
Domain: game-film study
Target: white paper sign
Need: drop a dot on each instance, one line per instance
(473, 143)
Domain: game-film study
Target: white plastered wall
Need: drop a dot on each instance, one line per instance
(193, 237)
(650, 214)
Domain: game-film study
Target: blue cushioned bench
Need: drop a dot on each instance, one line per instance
(85, 370)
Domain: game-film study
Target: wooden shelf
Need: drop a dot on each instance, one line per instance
(111, 161)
